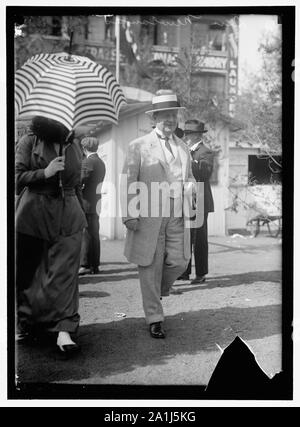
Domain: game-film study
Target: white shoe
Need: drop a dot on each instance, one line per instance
(84, 270)
(64, 338)
(66, 346)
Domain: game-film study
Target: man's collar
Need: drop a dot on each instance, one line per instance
(161, 135)
(195, 146)
(90, 154)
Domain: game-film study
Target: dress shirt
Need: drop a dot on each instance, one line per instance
(171, 141)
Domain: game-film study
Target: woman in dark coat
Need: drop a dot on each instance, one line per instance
(49, 224)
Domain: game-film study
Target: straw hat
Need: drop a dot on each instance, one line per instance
(164, 100)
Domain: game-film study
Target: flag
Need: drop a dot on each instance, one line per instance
(129, 47)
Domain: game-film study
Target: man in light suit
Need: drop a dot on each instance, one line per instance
(157, 239)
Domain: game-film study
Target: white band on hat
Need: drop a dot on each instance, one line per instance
(164, 98)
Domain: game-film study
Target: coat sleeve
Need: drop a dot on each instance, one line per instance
(203, 167)
(189, 188)
(190, 170)
(78, 191)
(24, 174)
(86, 170)
(102, 171)
(130, 176)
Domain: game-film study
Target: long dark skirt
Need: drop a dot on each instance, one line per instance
(47, 283)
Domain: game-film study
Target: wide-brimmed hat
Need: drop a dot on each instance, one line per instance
(194, 126)
(164, 100)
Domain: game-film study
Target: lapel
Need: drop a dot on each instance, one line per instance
(156, 150)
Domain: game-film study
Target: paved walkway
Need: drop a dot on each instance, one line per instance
(241, 296)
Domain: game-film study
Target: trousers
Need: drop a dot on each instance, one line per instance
(90, 248)
(199, 241)
(168, 263)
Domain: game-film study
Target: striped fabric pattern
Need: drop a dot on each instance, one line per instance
(73, 90)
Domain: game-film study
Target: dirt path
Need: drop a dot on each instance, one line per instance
(241, 296)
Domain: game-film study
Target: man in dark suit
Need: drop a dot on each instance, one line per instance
(202, 167)
(92, 175)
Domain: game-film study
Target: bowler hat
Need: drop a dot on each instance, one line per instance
(194, 126)
(164, 100)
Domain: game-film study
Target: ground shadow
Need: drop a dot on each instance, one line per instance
(93, 294)
(117, 270)
(231, 280)
(115, 263)
(244, 247)
(122, 346)
(101, 278)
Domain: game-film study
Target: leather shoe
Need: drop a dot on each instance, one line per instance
(198, 279)
(156, 330)
(184, 277)
(95, 270)
(174, 291)
(84, 270)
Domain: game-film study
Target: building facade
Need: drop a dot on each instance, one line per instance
(195, 56)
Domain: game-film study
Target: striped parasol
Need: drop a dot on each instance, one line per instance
(70, 89)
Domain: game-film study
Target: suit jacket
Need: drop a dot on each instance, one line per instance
(40, 212)
(202, 167)
(145, 164)
(92, 174)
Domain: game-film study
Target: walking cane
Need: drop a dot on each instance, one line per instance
(60, 184)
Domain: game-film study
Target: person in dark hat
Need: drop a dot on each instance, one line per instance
(92, 175)
(202, 167)
(157, 239)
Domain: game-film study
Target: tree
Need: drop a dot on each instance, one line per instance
(45, 34)
(259, 105)
(259, 109)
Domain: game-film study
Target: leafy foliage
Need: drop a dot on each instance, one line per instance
(39, 34)
(259, 105)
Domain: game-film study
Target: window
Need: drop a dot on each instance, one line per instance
(166, 34)
(109, 29)
(199, 35)
(145, 31)
(96, 29)
(212, 36)
(216, 37)
(209, 84)
(56, 26)
(264, 170)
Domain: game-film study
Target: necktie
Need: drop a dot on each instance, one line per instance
(168, 146)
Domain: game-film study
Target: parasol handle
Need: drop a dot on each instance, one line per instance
(62, 151)
(70, 45)
(60, 184)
